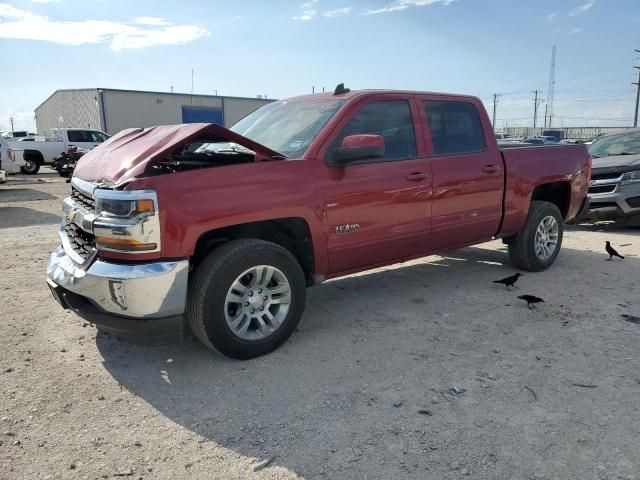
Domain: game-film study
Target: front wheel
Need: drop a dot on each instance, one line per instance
(246, 298)
(536, 247)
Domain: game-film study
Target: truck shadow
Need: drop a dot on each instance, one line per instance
(343, 388)
(11, 217)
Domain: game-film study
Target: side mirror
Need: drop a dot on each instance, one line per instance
(359, 147)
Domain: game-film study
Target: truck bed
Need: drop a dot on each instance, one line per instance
(568, 167)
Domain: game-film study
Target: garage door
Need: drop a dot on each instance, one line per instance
(202, 115)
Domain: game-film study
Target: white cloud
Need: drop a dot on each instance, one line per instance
(46, 1)
(573, 31)
(400, 5)
(582, 8)
(308, 11)
(337, 12)
(142, 32)
(22, 120)
(160, 22)
(552, 17)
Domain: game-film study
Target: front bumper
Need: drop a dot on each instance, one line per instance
(624, 202)
(143, 302)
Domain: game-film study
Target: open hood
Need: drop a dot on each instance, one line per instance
(127, 154)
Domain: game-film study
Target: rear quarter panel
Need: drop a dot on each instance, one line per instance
(528, 167)
(195, 202)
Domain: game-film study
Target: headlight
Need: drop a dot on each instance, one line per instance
(123, 208)
(127, 221)
(630, 177)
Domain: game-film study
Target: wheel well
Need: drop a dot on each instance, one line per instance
(34, 155)
(556, 193)
(290, 233)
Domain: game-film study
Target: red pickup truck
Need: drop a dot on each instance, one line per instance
(222, 230)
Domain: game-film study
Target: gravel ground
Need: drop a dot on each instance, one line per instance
(422, 370)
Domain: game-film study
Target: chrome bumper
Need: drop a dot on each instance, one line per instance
(144, 290)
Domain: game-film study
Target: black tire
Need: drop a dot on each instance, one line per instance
(31, 167)
(211, 281)
(522, 246)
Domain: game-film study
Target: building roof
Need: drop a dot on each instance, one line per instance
(146, 91)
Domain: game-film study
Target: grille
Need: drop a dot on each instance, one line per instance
(602, 189)
(606, 176)
(83, 200)
(83, 243)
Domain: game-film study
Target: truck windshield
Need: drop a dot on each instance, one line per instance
(288, 127)
(622, 144)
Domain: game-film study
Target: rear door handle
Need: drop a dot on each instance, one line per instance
(490, 168)
(416, 177)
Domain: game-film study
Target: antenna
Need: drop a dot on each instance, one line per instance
(552, 84)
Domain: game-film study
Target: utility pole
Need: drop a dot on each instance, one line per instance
(637, 84)
(11, 120)
(550, 92)
(536, 104)
(496, 97)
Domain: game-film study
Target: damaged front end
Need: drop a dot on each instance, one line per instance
(140, 152)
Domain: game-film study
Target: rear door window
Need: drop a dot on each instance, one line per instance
(392, 120)
(456, 128)
(80, 136)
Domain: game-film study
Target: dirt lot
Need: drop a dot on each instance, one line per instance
(363, 390)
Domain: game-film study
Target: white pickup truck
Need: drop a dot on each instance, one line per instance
(36, 151)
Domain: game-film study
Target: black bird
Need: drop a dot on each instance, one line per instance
(531, 300)
(612, 252)
(509, 281)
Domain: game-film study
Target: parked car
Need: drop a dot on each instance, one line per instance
(224, 229)
(40, 152)
(615, 183)
(539, 140)
(17, 134)
(10, 163)
(503, 136)
(572, 141)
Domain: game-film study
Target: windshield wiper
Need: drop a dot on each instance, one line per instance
(628, 153)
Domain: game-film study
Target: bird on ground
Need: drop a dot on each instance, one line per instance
(531, 300)
(612, 252)
(509, 281)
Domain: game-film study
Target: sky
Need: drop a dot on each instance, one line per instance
(284, 48)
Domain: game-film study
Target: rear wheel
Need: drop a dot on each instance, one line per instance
(536, 247)
(31, 167)
(246, 298)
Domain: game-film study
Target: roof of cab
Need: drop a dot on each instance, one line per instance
(362, 93)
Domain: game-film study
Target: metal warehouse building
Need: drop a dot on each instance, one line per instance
(112, 110)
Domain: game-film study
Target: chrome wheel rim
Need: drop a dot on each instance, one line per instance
(257, 302)
(546, 241)
(30, 166)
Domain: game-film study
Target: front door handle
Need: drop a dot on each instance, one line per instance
(490, 168)
(417, 176)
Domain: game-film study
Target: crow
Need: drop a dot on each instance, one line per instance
(612, 252)
(509, 281)
(531, 300)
